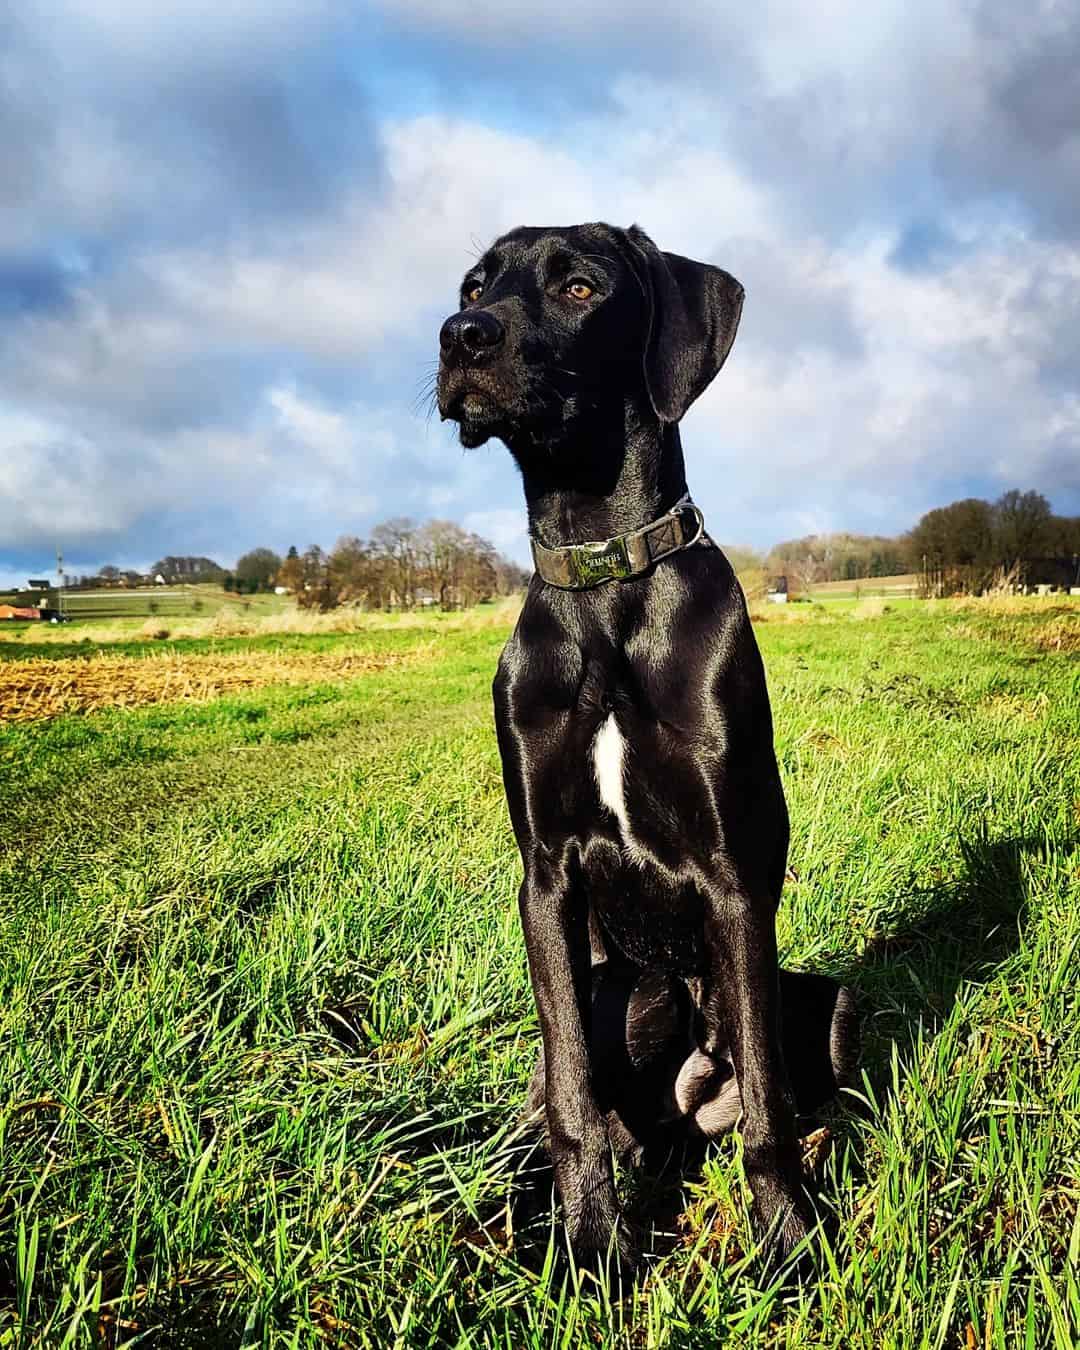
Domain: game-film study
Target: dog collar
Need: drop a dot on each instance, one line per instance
(578, 567)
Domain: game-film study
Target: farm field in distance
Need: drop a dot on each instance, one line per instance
(265, 1020)
(166, 604)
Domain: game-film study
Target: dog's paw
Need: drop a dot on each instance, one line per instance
(607, 1248)
(782, 1218)
(600, 1236)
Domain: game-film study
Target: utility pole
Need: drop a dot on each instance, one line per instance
(60, 587)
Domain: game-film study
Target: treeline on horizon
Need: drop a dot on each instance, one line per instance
(965, 546)
(401, 564)
(968, 545)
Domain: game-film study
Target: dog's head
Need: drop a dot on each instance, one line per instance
(558, 326)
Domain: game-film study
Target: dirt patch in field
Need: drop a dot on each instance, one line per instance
(40, 688)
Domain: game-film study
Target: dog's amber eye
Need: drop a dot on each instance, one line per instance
(579, 290)
(474, 293)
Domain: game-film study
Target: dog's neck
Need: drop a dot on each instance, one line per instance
(603, 485)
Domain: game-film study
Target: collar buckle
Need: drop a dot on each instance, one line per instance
(605, 560)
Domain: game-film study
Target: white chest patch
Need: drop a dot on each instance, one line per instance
(608, 757)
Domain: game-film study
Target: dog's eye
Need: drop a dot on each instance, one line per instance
(473, 292)
(578, 290)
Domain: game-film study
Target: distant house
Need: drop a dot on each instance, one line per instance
(778, 591)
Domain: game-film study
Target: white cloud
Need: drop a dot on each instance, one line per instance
(840, 106)
(946, 383)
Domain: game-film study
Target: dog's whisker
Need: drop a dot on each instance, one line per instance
(425, 398)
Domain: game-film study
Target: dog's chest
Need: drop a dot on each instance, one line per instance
(608, 759)
(642, 792)
(609, 765)
(634, 853)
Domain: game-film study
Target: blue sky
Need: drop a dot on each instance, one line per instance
(228, 234)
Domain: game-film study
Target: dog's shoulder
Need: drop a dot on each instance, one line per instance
(544, 650)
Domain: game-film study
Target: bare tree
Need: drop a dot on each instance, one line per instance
(394, 543)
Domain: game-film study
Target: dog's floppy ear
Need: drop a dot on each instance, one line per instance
(693, 312)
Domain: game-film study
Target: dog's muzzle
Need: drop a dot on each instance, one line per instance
(578, 567)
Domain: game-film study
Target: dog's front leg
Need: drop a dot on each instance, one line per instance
(741, 1008)
(554, 915)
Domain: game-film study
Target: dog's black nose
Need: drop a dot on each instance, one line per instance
(470, 333)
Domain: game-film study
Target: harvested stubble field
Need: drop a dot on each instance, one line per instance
(265, 1023)
(40, 687)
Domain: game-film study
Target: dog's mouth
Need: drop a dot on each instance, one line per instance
(485, 403)
(460, 397)
(476, 409)
(474, 405)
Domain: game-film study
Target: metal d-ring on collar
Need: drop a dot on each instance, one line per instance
(577, 567)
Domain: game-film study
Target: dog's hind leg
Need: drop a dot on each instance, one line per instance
(820, 1034)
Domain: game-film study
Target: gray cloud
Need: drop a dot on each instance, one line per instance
(1021, 139)
(223, 265)
(207, 121)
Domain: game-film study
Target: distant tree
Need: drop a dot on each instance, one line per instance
(1022, 526)
(962, 546)
(970, 523)
(510, 576)
(440, 549)
(189, 569)
(805, 561)
(400, 564)
(349, 571)
(961, 534)
(394, 544)
(316, 591)
(743, 559)
(1065, 537)
(256, 570)
(314, 562)
(836, 557)
(751, 569)
(480, 571)
(291, 573)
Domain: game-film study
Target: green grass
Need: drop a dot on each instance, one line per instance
(265, 1024)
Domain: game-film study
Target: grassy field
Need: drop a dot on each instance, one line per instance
(265, 1024)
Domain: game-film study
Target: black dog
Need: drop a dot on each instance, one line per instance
(632, 717)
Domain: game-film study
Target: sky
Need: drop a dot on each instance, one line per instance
(229, 234)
